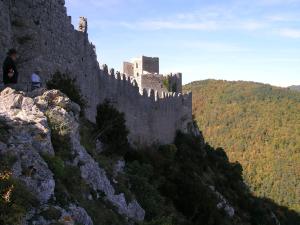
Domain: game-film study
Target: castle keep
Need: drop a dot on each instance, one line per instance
(145, 71)
(44, 36)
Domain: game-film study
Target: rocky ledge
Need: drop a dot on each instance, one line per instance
(30, 118)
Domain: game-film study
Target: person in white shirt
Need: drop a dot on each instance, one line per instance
(36, 80)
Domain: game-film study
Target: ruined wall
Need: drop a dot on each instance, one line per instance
(150, 64)
(151, 81)
(145, 65)
(137, 67)
(160, 83)
(45, 39)
(128, 68)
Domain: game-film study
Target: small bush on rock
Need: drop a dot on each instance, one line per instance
(51, 214)
(4, 134)
(60, 138)
(6, 162)
(15, 199)
(111, 128)
(68, 86)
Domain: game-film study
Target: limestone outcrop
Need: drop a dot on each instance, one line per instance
(30, 119)
(30, 137)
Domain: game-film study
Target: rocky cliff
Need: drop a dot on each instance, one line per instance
(31, 122)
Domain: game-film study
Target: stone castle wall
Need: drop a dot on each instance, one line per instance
(128, 68)
(151, 81)
(160, 83)
(46, 40)
(150, 64)
(145, 70)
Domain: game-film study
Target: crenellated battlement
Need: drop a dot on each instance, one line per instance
(152, 115)
(150, 96)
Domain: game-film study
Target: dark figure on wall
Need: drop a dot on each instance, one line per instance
(10, 72)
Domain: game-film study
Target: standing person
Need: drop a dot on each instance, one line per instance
(36, 80)
(10, 72)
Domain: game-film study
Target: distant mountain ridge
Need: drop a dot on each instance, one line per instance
(258, 126)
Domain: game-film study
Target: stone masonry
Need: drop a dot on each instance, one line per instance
(145, 71)
(46, 40)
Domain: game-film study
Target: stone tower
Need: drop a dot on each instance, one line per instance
(83, 25)
(145, 70)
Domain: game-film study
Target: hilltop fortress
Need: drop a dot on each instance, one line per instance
(42, 33)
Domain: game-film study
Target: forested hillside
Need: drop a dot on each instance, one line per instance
(259, 126)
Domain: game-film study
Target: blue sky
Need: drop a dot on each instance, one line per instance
(256, 40)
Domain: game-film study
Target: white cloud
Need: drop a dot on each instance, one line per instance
(252, 25)
(283, 17)
(174, 25)
(237, 16)
(208, 18)
(214, 46)
(209, 25)
(290, 33)
(277, 2)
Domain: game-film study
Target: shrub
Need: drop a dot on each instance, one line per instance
(56, 165)
(111, 128)
(60, 138)
(168, 151)
(6, 161)
(87, 136)
(15, 199)
(68, 86)
(145, 190)
(51, 214)
(4, 133)
(166, 83)
(12, 213)
(160, 221)
(70, 187)
(88, 133)
(57, 223)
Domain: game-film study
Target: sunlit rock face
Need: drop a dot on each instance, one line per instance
(29, 118)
